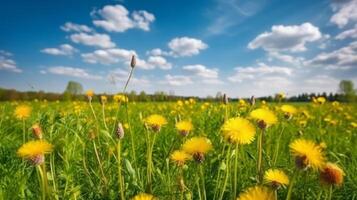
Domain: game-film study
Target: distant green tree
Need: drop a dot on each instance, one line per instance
(346, 88)
(74, 88)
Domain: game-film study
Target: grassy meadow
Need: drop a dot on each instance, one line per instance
(118, 149)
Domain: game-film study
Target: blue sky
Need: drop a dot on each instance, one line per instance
(242, 48)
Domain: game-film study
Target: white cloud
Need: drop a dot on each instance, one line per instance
(64, 49)
(297, 61)
(345, 12)
(289, 38)
(186, 46)
(202, 71)
(160, 62)
(257, 73)
(96, 39)
(157, 52)
(116, 19)
(344, 57)
(177, 80)
(351, 33)
(69, 27)
(8, 64)
(74, 72)
(120, 76)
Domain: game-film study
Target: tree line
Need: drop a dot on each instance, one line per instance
(74, 91)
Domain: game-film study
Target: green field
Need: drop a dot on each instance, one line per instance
(87, 157)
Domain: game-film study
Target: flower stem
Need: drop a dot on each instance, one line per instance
(330, 192)
(227, 173)
(260, 157)
(23, 131)
(288, 196)
(203, 182)
(235, 172)
(121, 179)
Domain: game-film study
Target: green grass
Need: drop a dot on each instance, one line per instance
(74, 172)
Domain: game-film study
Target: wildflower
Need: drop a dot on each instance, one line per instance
(90, 94)
(280, 96)
(133, 61)
(34, 151)
(37, 131)
(276, 178)
(120, 131)
(144, 196)
(238, 130)
(321, 100)
(257, 193)
(331, 174)
(180, 157)
(120, 98)
(22, 112)
(155, 122)
(307, 154)
(242, 103)
(265, 117)
(323, 145)
(289, 111)
(184, 127)
(197, 147)
(103, 99)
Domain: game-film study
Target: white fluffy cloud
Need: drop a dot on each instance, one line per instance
(344, 57)
(120, 76)
(202, 71)
(289, 38)
(160, 62)
(185, 46)
(116, 18)
(351, 33)
(116, 55)
(177, 80)
(72, 27)
(257, 73)
(8, 64)
(72, 71)
(297, 61)
(96, 39)
(345, 11)
(64, 50)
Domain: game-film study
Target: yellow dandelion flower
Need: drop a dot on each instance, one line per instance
(120, 98)
(321, 100)
(180, 157)
(155, 121)
(307, 154)
(238, 130)
(184, 127)
(143, 196)
(264, 116)
(257, 193)
(22, 112)
(34, 151)
(288, 110)
(197, 147)
(276, 178)
(103, 99)
(90, 93)
(331, 174)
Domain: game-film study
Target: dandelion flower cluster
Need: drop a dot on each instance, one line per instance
(276, 178)
(257, 193)
(331, 174)
(90, 94)
(155, 122)
(143, 196)
(184, 127)
(35, 150)
(180, 157)
(307, 154)
(238, 130)
(264, 117)
(197, 147)
(22, 112)
(120, 98)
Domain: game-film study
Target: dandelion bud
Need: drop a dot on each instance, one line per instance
(37, 159)
(133, 61)
(331, 174)
(181, 184)
(120, 131)
(225, 99)
(252, 101)
(37, 131)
